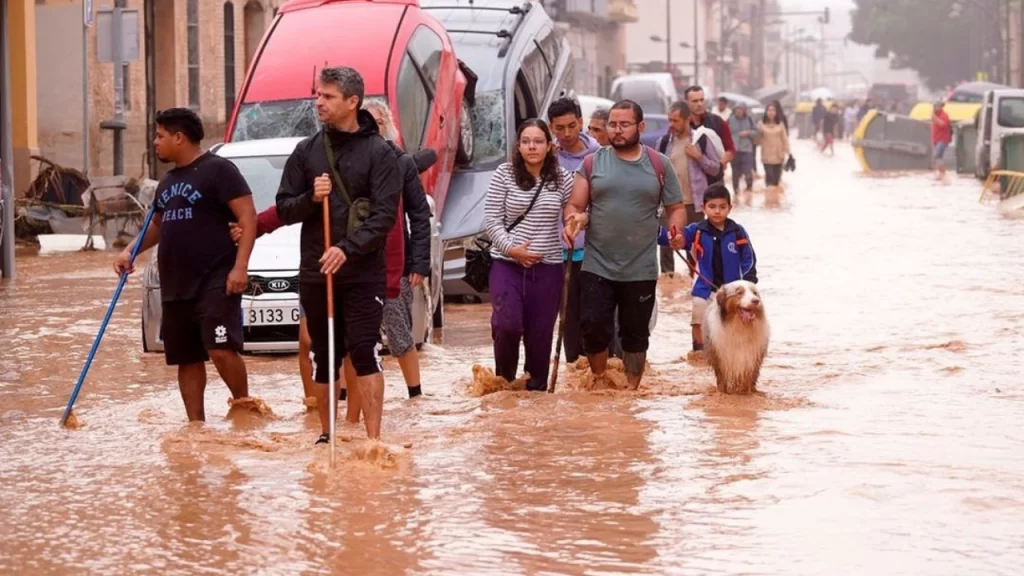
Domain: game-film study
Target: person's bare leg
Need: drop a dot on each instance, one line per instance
(353, 402)
(698, 337)
(410, 365)
(371, 392)
(322, 394)
(305, 362)
(192, 384)
(633, 364)
(231, 368)
(598, 362)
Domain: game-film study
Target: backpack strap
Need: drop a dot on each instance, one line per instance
(335, 176)
(741, 237)
(588, 166)
(663, 143)
(659, 169)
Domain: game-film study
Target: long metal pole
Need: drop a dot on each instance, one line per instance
(696, 43)
(6, 151)
(86, 6)
(668, 36)
(118, 57)
(719, 72)
(821, 48)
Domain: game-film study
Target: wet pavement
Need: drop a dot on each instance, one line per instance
(888, 439)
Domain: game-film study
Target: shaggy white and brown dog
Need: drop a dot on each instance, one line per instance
(736, 335)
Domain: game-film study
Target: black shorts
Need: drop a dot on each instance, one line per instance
(212, 320)
(358, 313)
(600, 297)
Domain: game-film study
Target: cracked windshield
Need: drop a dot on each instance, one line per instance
(649, 287)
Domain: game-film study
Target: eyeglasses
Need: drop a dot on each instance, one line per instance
(540, 142)
(616, 126)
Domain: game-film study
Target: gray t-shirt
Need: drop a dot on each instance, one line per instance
(622, 237)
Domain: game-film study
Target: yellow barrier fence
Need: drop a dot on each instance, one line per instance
(1006, 184)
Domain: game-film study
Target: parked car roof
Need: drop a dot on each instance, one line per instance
(478, 32)
(291, 71)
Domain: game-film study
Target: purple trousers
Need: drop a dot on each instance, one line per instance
(524, 307)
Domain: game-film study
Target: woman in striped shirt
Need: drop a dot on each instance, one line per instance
(523, 219)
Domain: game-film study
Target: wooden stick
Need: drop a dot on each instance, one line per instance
(332, 393)
(561, 321)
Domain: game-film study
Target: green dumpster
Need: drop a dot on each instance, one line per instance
(1011, 152)
(1011, 157)
(893, 143)
(965, 141)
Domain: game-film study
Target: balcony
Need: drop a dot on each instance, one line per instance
(622, 11)
(583, 11)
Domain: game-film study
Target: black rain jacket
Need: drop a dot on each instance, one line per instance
(369, 168)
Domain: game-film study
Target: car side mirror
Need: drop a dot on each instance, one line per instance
(425, 158)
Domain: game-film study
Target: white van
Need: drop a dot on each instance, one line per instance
(653, 91)
(588, 104)
(1002, 113)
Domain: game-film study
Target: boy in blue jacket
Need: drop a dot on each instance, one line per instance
(722, 250)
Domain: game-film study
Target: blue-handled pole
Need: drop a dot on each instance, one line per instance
(106, 319)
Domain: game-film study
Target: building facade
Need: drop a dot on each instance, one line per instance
(193, 53)
(595, 30)
(665, 35)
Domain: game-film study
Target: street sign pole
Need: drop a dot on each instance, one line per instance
(6, 172)
(87, 20)
(118, 42)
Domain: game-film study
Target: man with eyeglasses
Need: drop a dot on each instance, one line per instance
(623, 186)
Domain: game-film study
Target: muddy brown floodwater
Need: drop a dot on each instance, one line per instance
(889, 439)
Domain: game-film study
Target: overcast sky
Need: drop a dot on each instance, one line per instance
(854, 56)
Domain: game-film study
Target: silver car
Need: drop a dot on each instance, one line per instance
(270, 304)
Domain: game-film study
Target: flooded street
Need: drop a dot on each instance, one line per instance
(888, 441)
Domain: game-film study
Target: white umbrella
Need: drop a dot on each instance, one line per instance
(823, 93)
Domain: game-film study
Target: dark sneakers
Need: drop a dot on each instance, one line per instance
(324, 439)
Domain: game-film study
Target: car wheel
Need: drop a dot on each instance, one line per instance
(467, 141)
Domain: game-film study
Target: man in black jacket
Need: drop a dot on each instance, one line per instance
(364, 176)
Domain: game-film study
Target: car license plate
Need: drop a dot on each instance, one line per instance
(271, 316)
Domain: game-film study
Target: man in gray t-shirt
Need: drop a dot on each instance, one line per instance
(620, 264)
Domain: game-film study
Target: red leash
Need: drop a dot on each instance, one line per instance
(714, 288)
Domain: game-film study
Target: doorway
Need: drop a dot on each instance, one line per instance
(255, 24)
(161, 72)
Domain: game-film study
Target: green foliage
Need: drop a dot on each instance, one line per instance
(922, 35)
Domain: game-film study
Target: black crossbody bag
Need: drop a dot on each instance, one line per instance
(359, 210)
(478, 262)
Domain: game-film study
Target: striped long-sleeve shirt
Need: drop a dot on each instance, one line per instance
(542, 227)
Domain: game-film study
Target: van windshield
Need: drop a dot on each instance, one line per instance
(647, 94)
(279, 119)
(1011, 112)
(489, 138)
